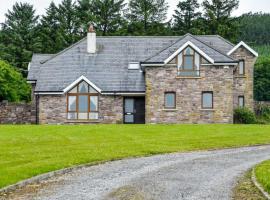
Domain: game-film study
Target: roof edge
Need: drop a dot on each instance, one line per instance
(245, 46)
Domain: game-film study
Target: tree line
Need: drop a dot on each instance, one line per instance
(24, 32)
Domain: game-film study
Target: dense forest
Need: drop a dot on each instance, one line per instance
(24, 32)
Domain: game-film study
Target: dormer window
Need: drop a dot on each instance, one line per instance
(82, 102)
(134, 65)
(188, 63)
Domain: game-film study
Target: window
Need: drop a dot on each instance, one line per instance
(241, 68)
(82, 102)
(188, 63)
(207, 100)
(170, 100)
(241, 101)
(134, 65)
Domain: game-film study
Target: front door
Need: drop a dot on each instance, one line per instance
(134, 110)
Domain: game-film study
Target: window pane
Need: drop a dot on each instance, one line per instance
(92, 90)
(93, 103)
(207, 100)
(241, 68)
(83, 115)
(83, 103)
(93, 115)
(241, 101)
(74, 90)
(72, 115)
(188, 63)
(189, 51)
(129, 118)
(169, 100)
(71, 103)
(83, 87)
(129, 105)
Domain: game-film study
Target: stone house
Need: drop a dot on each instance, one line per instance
(183, 79)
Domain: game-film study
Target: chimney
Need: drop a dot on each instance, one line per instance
(91, 40)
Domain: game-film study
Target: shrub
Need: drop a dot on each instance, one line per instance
(244, 116)
(263, 113)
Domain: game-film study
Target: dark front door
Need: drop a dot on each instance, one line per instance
(134, 110)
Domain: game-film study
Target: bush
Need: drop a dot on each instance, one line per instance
(263, 113)
(13, 87)
(244, 116)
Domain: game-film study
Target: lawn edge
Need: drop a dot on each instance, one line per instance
(45, 176)
(258, 185)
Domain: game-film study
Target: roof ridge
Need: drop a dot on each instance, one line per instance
(64, 50)
(167, 47)
(212, 48)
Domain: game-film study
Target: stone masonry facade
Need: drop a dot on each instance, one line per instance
(53, 110)
(188, 95)
(223, 81)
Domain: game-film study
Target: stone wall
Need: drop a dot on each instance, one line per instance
(188, 95)
(52, 110)
(14, 113)
(243, 84)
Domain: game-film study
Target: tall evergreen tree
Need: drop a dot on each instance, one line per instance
(50, 31)
(19, 35)
(145, 13)
(107, 15)
(218, 16)
(68, 22)
(185, 17)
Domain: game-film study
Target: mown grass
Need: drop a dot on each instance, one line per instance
(26, 151)
(262, 172)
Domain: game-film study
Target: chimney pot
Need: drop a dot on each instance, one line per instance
(91, 29)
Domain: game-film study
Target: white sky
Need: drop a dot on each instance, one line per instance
(40, 5)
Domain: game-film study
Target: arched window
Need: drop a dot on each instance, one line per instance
(82, 102)
(188, 63)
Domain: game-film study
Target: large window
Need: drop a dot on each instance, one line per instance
(170, 100)
(207, 100)
(82, 102)
(241, 69)
(241, 101)
(188, 63)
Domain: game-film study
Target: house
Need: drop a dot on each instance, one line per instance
(183, 79)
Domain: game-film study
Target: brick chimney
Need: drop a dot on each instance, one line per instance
(91, 40)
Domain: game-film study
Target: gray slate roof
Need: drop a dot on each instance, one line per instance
(108, 68)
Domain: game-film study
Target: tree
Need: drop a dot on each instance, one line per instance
(262, 79)
(218, 17)
(50, 31)
(107, 15)
(185, 17)
(146, 13)
(19, 35)
(14, 87)
(68, 22)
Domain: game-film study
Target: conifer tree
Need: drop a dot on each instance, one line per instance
(146, 14)
(19, 35)
(185, 17)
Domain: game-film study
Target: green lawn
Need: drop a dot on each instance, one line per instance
(26, 151)
(262, 172)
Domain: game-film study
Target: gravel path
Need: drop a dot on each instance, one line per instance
(196, 175)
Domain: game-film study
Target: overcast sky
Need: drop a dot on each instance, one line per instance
(40, 5)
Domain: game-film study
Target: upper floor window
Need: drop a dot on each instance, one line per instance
(188, 63)
(241, 101)
(82, 102)
(241, 69)
(170, 99)
(207, 100)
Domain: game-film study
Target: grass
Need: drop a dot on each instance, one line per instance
(26, 151)
(246, 190)
(262, 172)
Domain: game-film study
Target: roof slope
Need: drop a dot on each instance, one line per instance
(108, 68)
(217, 55)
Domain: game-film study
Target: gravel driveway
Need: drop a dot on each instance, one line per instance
(197, 175)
